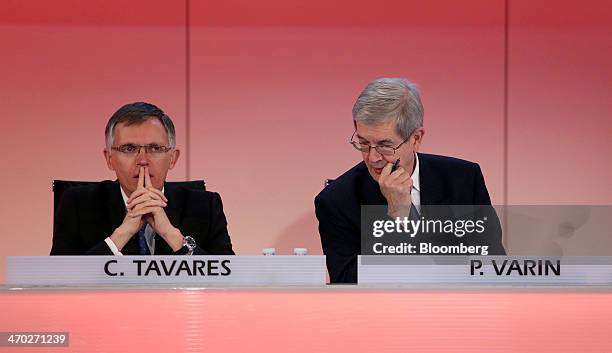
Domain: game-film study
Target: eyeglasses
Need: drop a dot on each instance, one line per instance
(383, 150)
(132, 149)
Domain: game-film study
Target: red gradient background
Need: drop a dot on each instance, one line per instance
(261, 94)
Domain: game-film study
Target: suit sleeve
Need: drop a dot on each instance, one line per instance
(338, 242)
(493, 232)
(66, 239)
(218, 241)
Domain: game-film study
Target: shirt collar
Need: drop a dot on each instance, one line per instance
(415, 173)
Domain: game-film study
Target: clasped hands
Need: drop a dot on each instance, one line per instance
(146, 206)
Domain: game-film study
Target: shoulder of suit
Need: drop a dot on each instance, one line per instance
(345, 183)
(434, 161)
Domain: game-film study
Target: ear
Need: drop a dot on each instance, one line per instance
(418, 138)
(174, 158)
(107, 157)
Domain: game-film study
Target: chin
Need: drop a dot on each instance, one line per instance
(373, 174)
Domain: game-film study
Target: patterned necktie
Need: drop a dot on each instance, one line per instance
(143, 248)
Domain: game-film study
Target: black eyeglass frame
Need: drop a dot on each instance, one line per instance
(147, 148)
(356, 143)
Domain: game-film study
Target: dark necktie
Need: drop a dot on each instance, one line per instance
(143, 248)
(414, 214)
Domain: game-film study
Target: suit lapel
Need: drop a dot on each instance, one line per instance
(432, 186)
(176, 200)
(115, 207)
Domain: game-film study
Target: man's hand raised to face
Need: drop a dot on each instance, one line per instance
(396, 187)
(145, 198)
(131, 223)
(147, 202)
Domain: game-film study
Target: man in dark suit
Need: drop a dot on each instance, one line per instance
(388, 120)
(140, 214)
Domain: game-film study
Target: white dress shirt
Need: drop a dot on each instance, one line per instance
(415, 192)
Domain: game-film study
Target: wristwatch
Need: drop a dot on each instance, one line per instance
(189, 244)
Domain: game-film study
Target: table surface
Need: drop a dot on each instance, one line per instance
(333, 318)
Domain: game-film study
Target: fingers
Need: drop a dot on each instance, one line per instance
(132, 218)
(403, 179)
(144, 194)
(150, 187)
(388, 170)
(147, 181)
(385, 172)
(138, 192)
(149, 205)
(396, 174)
(141, 176)
(144, 198)
(399, 174)
(158, 192)
(396, 186)
(146, 203)
(143, 211)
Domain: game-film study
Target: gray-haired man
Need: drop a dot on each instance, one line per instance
(140, 214)
(388, 122)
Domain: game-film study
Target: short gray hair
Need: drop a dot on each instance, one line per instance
(137, 113)
(387, 99)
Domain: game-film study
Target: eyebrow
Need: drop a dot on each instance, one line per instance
(385, 141)
(147, 144)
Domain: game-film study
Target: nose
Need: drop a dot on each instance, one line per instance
(374, 156)
(142, 158)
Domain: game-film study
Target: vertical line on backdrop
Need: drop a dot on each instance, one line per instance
(187, 91)
(506, 86)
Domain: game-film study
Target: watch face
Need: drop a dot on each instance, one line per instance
(190, 242)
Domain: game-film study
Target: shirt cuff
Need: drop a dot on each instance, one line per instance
(113, 247)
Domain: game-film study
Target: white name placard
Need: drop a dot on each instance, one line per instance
(276, 270)
(485, 270)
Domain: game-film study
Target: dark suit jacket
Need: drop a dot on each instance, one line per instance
(86, 215)
(443, 181)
